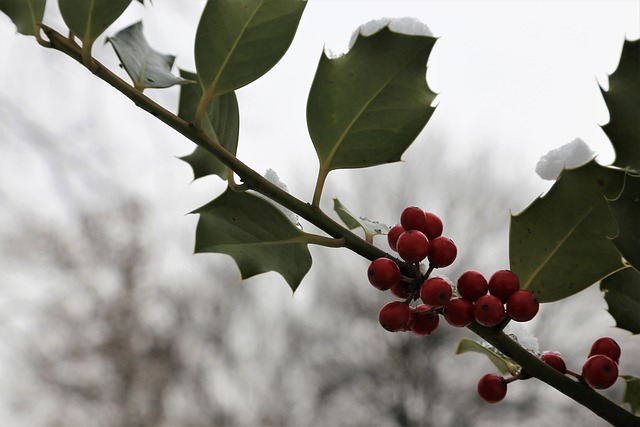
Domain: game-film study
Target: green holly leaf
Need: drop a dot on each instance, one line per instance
(622, 293)
(238, 41)
(256, 234)
(504, 364)
(561, 243)
(366, 107)
(632, 393)
(25, 14)
(146, 67)
(221, 123)
(626, 210)
(370, 227)
(87, 19)
(623, 102)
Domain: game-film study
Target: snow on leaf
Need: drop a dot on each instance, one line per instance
(523, 334)
(272, 177)
(146, 67)
(371, 227)
(366, 107)
(569, 156)
(504, 364)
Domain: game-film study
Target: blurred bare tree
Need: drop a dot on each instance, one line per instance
(134, 332)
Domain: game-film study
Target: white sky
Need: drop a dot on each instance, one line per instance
(518, 75)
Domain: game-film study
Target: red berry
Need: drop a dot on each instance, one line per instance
(522, 306)
(472, 285)
(488, 310)
(435, 292)
(492, 388)
(600, 371)
(424, 321)
(395, 316)
(442, 252)
(412, 218)
(503, 283)
(393, 234)
(459, 312)
(383, 273)
(433, 226)
(413, 246)
(606, 346)
(553, 359)
(401, 290)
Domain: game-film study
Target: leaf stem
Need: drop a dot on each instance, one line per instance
(329, 242)
(317, 192)
(201, 110)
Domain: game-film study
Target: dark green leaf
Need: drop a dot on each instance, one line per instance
(238, 41)
(561, 243)
(370, 227)
(504, 364)
(87, 19)
(25, 14)
(366, 107)
(632, 393)
(222, 123)
(623, 102)
(146, 67)
(626, 211)
(256, 234)
(622, 293)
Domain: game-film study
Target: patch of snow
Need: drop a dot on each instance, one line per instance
(405, 25)
(524, 335)
(272, 177)
(571, 155)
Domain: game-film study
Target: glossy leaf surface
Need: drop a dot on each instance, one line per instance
(258, 236)
(366, 107)
(561, 243)
(90, 18)
(25, 14)
(238, 41)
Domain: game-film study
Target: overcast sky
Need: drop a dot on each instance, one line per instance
(518, 75)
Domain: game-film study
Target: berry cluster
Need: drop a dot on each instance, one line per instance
(419, 237)
(600, 371)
